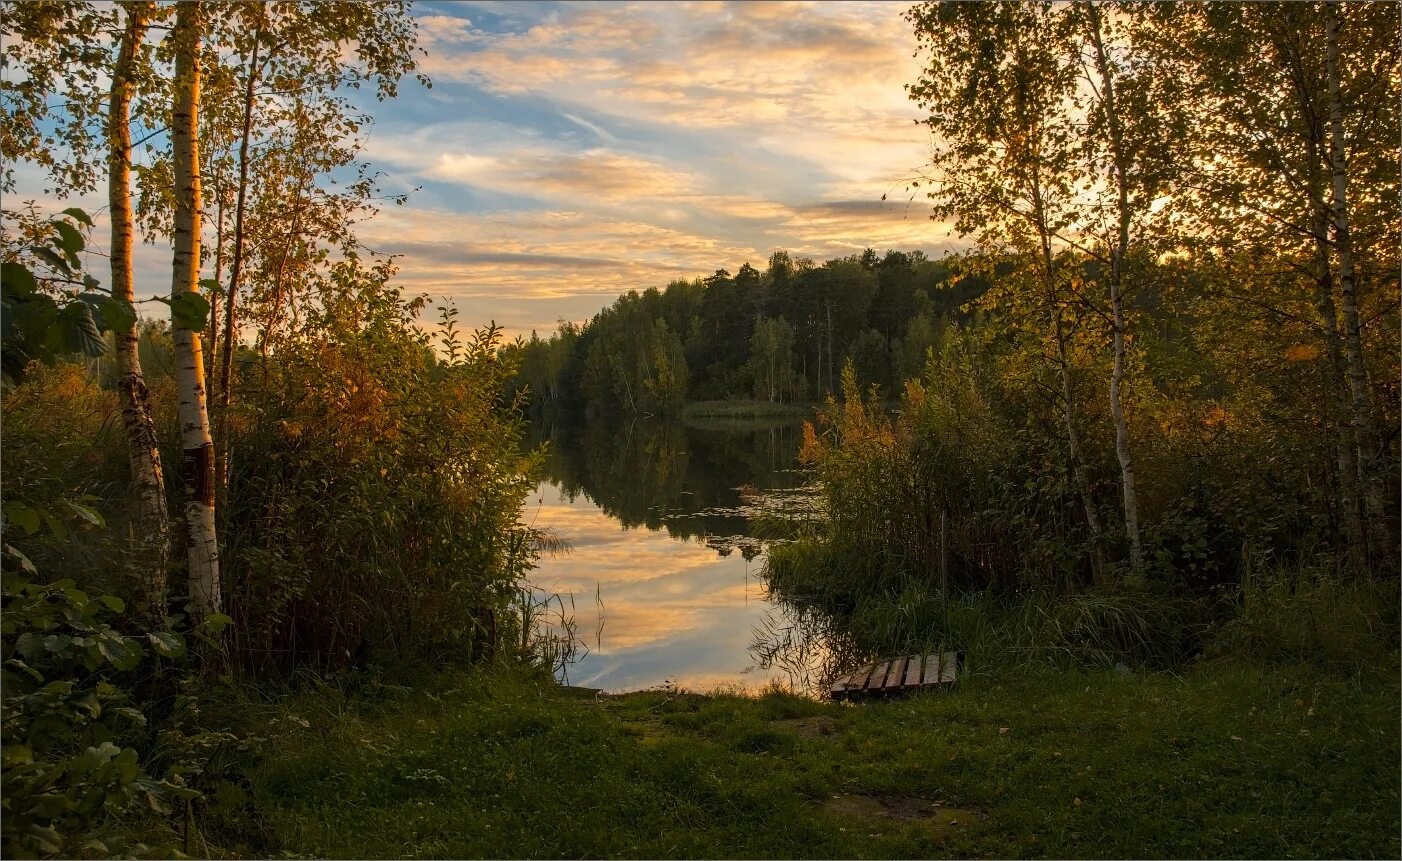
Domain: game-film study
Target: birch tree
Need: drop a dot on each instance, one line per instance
(201, 542)
(61, 115)
(1256, 190)
(999, 87)
(148, 479)
(1131, 140)
(1370, 461)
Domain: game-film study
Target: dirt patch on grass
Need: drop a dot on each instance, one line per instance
(935, 818)
(816, 726)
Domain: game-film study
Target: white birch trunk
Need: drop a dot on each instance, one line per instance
(1349, 501)
(1117, 273)
(202, 545)
(148, 480)
(1370, 470)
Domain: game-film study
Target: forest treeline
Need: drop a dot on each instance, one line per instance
(779, 335)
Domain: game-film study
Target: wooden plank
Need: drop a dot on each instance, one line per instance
(912, 671)
(932, 669)
(950, 669)
(860, 676)
(877, 677)
(897, 675)
(940, 668)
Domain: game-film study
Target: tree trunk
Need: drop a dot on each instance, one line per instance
(148, 481)
(236, 267)
(202, 545)
(1365, 428)
(211, 346)
(1117, 267)
(1073, 444)
(1349, 502)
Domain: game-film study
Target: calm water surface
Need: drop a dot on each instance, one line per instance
(664, 562)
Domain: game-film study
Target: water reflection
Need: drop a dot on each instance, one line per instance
(666, 556)
(803, 645)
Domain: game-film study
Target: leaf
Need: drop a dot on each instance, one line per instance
(78, 330)
(56, 526)
(22, 516)
(130, 714)
(16, 277)
(166, 643)
(25, 565)
(16, 663)
(78, 215)
(49, 257)
(122, 653)
(29, 644)
(16, 754)
(90, 516)
(187, 311)
(70, 240)
(113, 315)
(115, 604)
(216, 622)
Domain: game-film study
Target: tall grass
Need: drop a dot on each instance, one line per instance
(1302, 615)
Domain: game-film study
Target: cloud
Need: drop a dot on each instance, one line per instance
(571, 152)
(619, 146)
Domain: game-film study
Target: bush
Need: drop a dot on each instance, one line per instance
(374, 489)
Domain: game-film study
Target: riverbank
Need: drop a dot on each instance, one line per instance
(1224, 761)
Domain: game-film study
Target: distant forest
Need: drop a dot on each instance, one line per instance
(778, 335)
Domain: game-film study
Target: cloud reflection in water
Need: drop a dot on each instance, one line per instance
(674, 610)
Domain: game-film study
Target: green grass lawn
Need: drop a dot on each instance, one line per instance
(1226, 762)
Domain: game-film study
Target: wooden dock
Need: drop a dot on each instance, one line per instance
(898, 675)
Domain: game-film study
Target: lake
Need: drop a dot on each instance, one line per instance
(665, 526)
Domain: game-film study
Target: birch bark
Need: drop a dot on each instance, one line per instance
(201, 546)
(148, 480)
(1118, 158)
(1370, 472)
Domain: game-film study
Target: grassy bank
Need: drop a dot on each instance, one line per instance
(1284, 616)
(1225, 761)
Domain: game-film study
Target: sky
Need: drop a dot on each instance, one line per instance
(567, 153)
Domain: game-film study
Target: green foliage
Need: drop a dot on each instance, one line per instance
(70, 771)
(1302, 616)
(778, 335)
(43, 317)
(187, 311)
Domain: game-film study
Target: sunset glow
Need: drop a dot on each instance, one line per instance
(567, 153)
